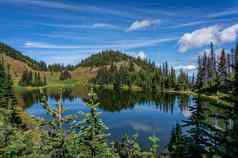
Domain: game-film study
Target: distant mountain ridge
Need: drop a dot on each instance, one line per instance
(108, 57)
(96, 60)
(17, 55)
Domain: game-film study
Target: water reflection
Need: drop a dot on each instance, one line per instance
(187, 126)
(123, 111)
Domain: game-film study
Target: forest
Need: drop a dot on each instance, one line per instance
(215, 72)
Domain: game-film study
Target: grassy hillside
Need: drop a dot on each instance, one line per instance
(17, 55)
(110, 56)
(83, 72)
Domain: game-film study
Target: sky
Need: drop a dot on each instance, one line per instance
(67, 31)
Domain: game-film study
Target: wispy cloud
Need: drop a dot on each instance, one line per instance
(65, 59)
(204, 36)
(223, 13)
(107, 26)
(83, 26)
(124, 44)
(61, 36)
(194, 23)
(73, 7)
(141, 24)
(44, 45)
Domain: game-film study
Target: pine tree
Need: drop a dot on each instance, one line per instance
(45, 80)
(93, 131)
(200, 73)
(154, 146)
(177, 144)
(56, 143)
(236, 72)
(222, 68)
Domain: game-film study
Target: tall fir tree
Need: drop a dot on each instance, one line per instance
(93, 133)
(222, 68)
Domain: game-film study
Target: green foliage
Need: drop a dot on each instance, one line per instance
(110, 56)
(177, 144)
(156, 79)
(129, 148)
(154, 146)
(217, 73)
(235, 91)
(60, 67)
(65, 75)
(182, 81)
(34, 79)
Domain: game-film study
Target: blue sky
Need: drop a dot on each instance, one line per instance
(66, 31)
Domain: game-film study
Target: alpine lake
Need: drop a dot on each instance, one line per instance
(144, 114)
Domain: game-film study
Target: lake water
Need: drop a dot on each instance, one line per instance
(129, 113)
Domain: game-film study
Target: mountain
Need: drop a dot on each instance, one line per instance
(18, 62)
(86, 70)
(108, 57)
(90, 66)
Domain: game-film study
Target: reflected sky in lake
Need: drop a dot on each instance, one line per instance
(126, 112)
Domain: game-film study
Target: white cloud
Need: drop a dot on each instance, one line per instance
(229, 34)
(186, 67)
(141, 55)
(198, 38)
(204, 36)
(141, 24)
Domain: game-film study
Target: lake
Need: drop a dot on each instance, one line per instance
(126, 112)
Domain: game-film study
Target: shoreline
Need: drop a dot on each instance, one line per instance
(212, 97)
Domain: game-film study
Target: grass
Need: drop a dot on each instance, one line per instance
(53, 82)
(28, 120)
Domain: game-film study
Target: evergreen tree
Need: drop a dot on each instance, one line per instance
(32, 79)
(65, 75)
(236, 72)
(93, 131)
(183, 81)
(200, 73)
(177, 144)
(222, 68)
(55, 143)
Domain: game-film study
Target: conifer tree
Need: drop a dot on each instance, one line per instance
(236, 72)
(154, 146)
(55, 144)
(222, 68)
(93, 133)
(177, 144)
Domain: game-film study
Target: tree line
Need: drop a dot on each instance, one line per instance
(155, 79)
(33, 79)
(217, 72)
